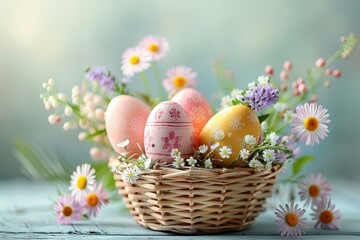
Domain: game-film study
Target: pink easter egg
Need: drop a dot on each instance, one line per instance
(125, 118)
(196, 106)
(168, 127)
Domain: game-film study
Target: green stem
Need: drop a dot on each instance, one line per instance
(145, 82)
(158, 79)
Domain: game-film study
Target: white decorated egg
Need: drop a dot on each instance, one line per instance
(168, 127)
(125, 118)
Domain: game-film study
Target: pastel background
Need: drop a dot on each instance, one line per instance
(57, 39)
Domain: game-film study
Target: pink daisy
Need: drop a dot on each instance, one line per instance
(157, 46)
(82, 181)
(326, 216)
(314, 189)
(96, 199)
(135, 60)
(67, 210)
(290, 222)
(309, 123)
(178, 78)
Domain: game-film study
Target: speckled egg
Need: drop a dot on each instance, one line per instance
(196, 106)
(229, 128)
(167, 127)
(125, 118)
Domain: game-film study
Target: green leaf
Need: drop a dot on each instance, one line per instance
(263, 117)
(299, 164)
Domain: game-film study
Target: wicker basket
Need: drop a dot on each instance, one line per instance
(197, 200)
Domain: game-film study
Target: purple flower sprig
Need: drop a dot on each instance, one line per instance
(259, 96)
(105, 78)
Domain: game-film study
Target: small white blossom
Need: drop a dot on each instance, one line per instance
(280, 107)
(264, 127)
(263, 80)
(68, 111)
(226, 102)
(255, 164)
(268, 166)
(251, 85)
(272, 138)
(67, 126)
(250, 139)
(131, 174)
(61, 96)
(175, 153)
(178, 162)
(235, 93)
(215, 146)
(244, 153)
(269, 155)
(143, 162)
(124, 143)
(208, 163)
(203, 148)
(219, 134)
(225, 152)
(115, 167)
(191, 161)
(288, 116)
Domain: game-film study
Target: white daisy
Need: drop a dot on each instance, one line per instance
(309, 123)
(135, 60)
(143, 162)
(178, 162)
(131, 174)
(175, 153)
(290, 222)
(208, 163)
(225, 152)
(250, 140)
(244, 153)
(124, 143)
(272, 138)
(255, 164)
(326, 216)
(203, 148)
(269, 155)
(191, 161)
(157, 46)
(115, 166)
(314, 189)
(82, 181)
(288, 116)
(263, 80)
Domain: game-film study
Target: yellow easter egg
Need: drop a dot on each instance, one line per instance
(229, 127)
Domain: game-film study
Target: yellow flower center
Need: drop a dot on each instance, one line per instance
(153, 47)
(81, 182)
(92, 200)
(326, 217)
(314, 191)
(291, 219)
(67, 211)
(311, 124)
(134, 60)
(179, 82)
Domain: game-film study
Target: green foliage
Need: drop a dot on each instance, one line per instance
(299, 164)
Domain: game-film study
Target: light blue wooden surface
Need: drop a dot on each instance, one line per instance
(26, 212)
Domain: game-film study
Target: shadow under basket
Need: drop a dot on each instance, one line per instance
(194, 200)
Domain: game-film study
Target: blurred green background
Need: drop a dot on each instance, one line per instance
(57, 39)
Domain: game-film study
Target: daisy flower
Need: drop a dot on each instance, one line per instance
(225, 152)
(135, 60)
(67, 210)
(96, 199)
(250, 139)
(191, 161)
(175, 153)
(131, 174)
(178, 78)
(157, 46)
(82, 181)
(326, 216)
(124, 143)
(203, 148)
(269, 155)
(143, 162)
(309, 123)
(314, 189)
(208, 163)
(178, 162)
(290, 222)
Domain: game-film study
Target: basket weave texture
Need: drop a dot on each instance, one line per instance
(193, 200)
